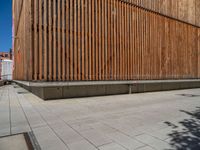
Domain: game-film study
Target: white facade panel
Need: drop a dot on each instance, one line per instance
(6, 69)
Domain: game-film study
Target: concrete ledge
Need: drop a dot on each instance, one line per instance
(59, 90)
(2, 83)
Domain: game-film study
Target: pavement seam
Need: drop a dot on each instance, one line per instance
(10, 114)
(70, 126)
(49, 124)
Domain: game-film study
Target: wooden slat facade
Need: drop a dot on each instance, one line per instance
(81, 40)
(186, 10)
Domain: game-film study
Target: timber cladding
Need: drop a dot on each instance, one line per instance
(76, 40)
(186, 10)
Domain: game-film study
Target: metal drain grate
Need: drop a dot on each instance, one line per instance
(24, 92)
(189, 95)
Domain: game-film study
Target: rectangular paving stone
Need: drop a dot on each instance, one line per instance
(16, 142)
(49, 117)
(81, 145)
(81, 126)
(4, 116)
(146, 148)
(125, 140)
(96, 137)
(111, 146)
(66, 133)
(153, 142)
(34, 118)
(19, 123)
(48, 140)
(103, 128)
(162, 134)
(122, 121)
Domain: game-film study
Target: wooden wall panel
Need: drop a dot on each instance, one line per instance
(185, 10)
(50, 40)
(22, 39)
(16, 9)
(197, 12)
(198, 53)
(81, 40)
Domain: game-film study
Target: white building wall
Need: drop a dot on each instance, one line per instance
(7, 67)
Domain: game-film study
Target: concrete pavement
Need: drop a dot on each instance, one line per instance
(148, 121)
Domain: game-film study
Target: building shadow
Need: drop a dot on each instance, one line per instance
(186, 136)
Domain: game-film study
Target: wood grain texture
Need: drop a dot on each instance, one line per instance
(76, 40)
(185, 10)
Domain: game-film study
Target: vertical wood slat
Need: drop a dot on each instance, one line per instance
(82, 40)
(90, 39)
(71, 39)
(45, 39)
(198, 53)
(105, 40)
(36, 56)
(54, 42)
(93, 42)
(86, 25)
(29, 39)
(40, 42)
(123, 41)
(63, 14)
(96, 40)
(59, 59)
(99, 45)
(111, 40)
(67, 43)
(79, 50)
(50, 27)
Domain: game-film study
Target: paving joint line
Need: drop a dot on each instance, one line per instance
(10, 114)
(49, 125)
(71, 127)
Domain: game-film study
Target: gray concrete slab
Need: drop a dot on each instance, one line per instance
(142, 121)
(19, 122)
(78, 83)
(4, 114)
(146, 148)
(16, 142)
(126, 141)
(48, 139)
(60, 90)
(111, 146)
(82, 144)
(97, 138)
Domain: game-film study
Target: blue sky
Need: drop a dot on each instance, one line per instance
(5, 25)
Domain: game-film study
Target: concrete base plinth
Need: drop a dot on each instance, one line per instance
(59, 90)
(3, 82)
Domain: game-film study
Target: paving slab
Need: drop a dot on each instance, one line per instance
(142, 121)
(16, 142)
(82, 144)
(66, 133)
(111, 146)
(96, 137)
(4, 115)
(146, 148)
(48, 140)
(153, 142)
(126, 141)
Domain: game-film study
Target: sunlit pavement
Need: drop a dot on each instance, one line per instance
(160, 120)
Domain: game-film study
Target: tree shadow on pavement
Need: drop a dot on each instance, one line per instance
(188, 138)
